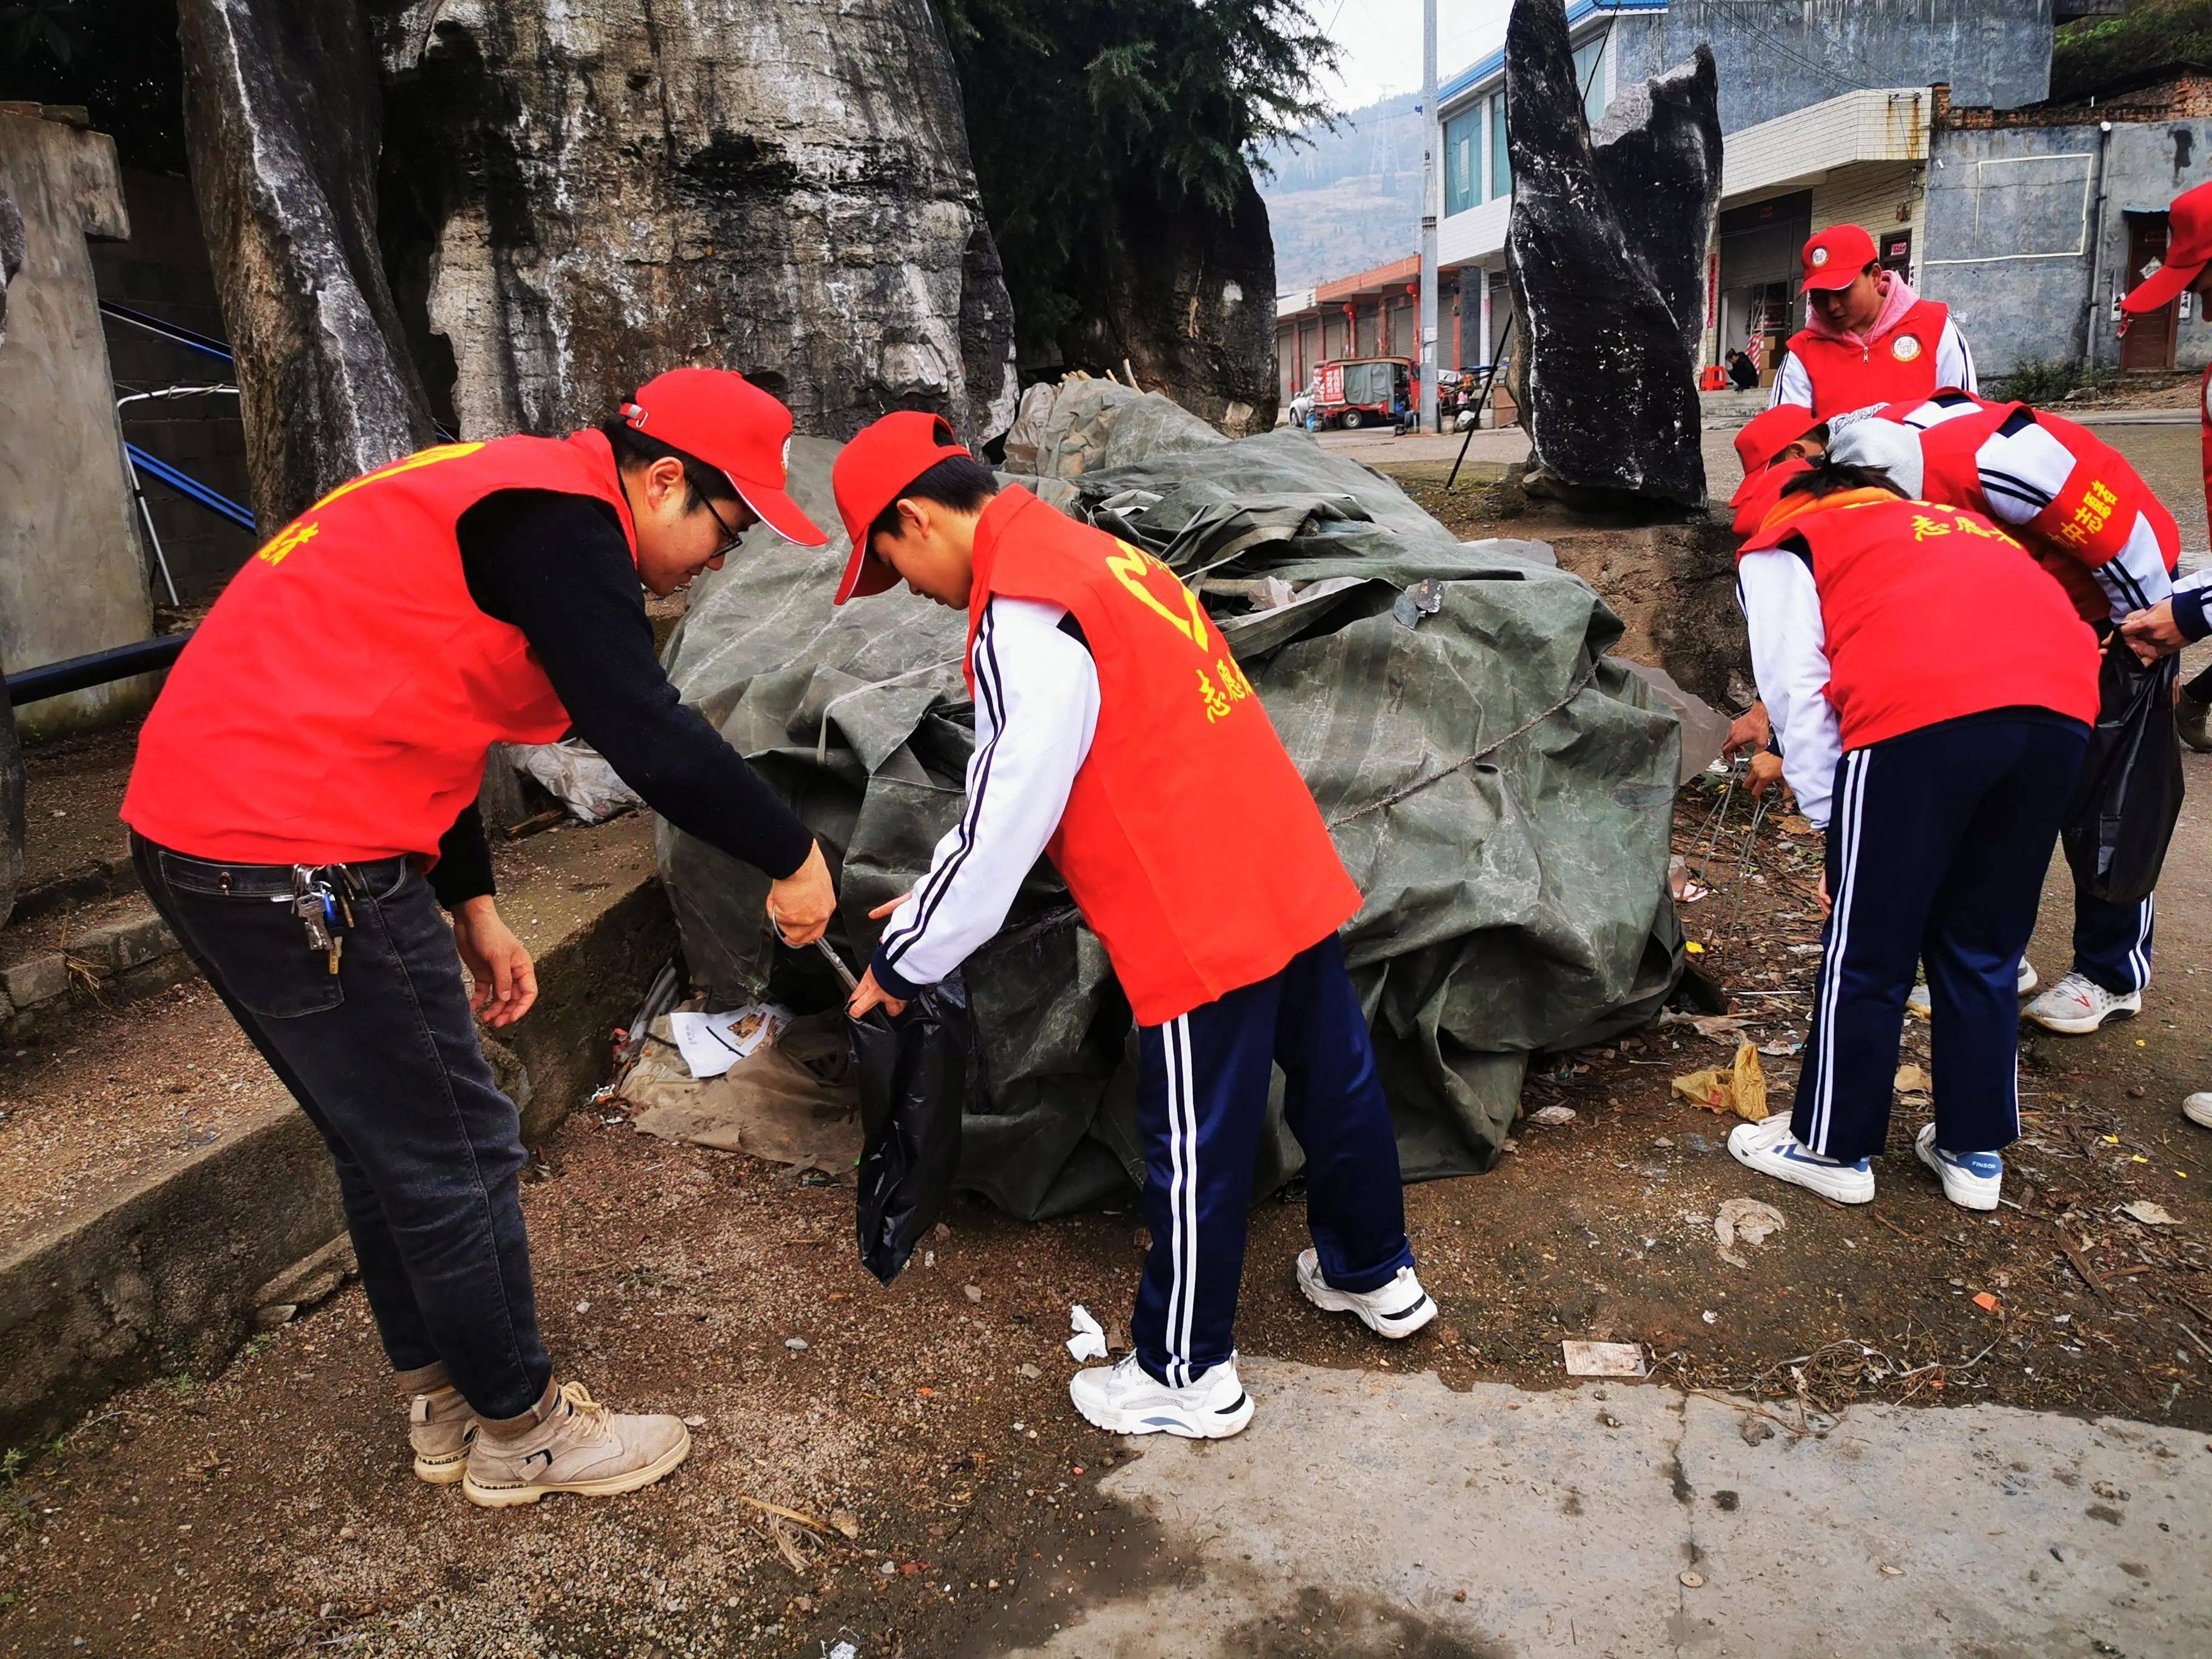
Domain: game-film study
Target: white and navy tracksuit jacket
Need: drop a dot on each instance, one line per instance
(2022, 468)
(1203, 1078)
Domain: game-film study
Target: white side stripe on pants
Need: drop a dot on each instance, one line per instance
(1176, 1290)
(2139, 957)
(1189, 1219)
(1853, 798)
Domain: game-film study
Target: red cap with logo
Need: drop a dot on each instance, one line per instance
(1771, 432)
(2188, 251)
(871, 471)
(730, 423)
(1835, 257)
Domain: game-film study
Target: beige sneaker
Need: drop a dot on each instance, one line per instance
(441, 1426)
(575, 1445)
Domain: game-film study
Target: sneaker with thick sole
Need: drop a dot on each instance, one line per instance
(2023, 984)
(1396, 1309)
(579, 1446)
(1970, 1180)
(1770, 1148)
(2077, 1006)
(2198, 1108)
(1124, 1398)
(2189, 721)
(440, 1427)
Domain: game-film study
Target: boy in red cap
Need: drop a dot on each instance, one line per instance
(1867, 337)
(318, 747)
(1114, 731)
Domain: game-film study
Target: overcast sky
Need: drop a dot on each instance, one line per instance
(1380, 41)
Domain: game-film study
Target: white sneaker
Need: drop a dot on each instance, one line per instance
(1770, 1148)
(2024, 983)
(2198, 1108)
(1395, 1309)
(1124, 1399)
(2077, 1006)
(1971, 1180)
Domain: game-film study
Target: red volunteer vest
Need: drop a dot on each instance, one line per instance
(337, 703)
(2088, 521)
(1898, 367)
(1183, 752)
(2205, 409)
(1931, 614)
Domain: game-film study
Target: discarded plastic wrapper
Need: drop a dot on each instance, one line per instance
(1741, 1089)
(1603, 1359)
(1089, 1341)
(712, 1043)
(916, 1072)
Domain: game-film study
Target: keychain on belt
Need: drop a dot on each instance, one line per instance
(318, 908)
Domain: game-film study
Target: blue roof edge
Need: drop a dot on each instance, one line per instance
(1578, 12)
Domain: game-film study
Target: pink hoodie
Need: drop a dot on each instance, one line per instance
(1897, 298)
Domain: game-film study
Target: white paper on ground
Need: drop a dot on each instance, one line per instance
(1089, 1341)
(1603, 1359)
(712, 1043)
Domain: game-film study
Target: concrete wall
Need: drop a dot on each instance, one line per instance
(1774, 59)
(163, 270)
(72, 578)
(2009, 245)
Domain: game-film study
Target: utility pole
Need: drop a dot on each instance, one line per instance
(1431, 153)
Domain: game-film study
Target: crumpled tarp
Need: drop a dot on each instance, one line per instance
(1499, 789)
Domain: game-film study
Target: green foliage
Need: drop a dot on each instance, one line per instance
(1067, 101)
(11, 1464)
(2046, 382)
(2101, 52)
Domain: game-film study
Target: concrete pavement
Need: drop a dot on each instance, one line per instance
(1370, 1514)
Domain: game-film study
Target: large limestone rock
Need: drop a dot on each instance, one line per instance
(11, 250)
(1606, 253)
(282, 115)
(578, 195)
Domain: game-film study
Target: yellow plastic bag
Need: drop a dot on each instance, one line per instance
(1741, 1089)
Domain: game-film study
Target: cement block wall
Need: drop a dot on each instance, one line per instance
(163, 270)
(1777, 58)
(72, 576)
(2008, 220)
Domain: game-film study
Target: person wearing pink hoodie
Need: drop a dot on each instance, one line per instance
(1868, 339)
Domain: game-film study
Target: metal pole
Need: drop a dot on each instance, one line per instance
(1431, 144)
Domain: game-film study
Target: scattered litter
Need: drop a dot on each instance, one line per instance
(1089, 1341)
(843, 1649)
(1712, 1026)
(712, 1043)
(1551, 1117)
(2150, 1214)
(1745, 1218)
(1693, 1581)
(1694, 948)
(1986, 1301)
(796, 1344)
(1913, 1079)
(1741, 1089)
(1888, 1572)
(1778, 1050)
(1710, 1317)
(1807, 950)
(1604, 1358)
(578, 776)
(695, 1422)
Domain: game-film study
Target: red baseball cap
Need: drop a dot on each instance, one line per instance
(869, 474)
(2188, 251)
(1835, 257)
(730, 423)
(1770, 433)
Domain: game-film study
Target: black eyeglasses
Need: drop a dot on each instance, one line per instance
(730, 537)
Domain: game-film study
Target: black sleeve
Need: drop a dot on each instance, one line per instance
(462, 871)
(555, 566)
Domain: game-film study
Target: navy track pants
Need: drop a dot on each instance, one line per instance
(1202, 1099)
(2111, 942)
(1938, 849)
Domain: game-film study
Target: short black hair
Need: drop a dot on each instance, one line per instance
(634, 450)
(958, 481)
(1826, 478)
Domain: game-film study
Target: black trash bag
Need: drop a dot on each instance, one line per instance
(2124, 809)
(915, 1074)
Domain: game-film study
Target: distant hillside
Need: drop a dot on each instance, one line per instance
(1350, 198)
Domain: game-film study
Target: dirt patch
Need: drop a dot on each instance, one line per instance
(72, 790)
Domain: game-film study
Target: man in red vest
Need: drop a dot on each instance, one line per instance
(1940, 777)
(1114, 731)
(2088, 517)
(1867, 337)
(318, 748)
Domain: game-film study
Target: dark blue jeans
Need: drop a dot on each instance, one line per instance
(382, 1057)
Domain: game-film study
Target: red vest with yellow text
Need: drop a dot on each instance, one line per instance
(2088, 521)
(337, 703)
(1900, 365)
(1932, 614)
(1183, 756)
(2204, 408)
